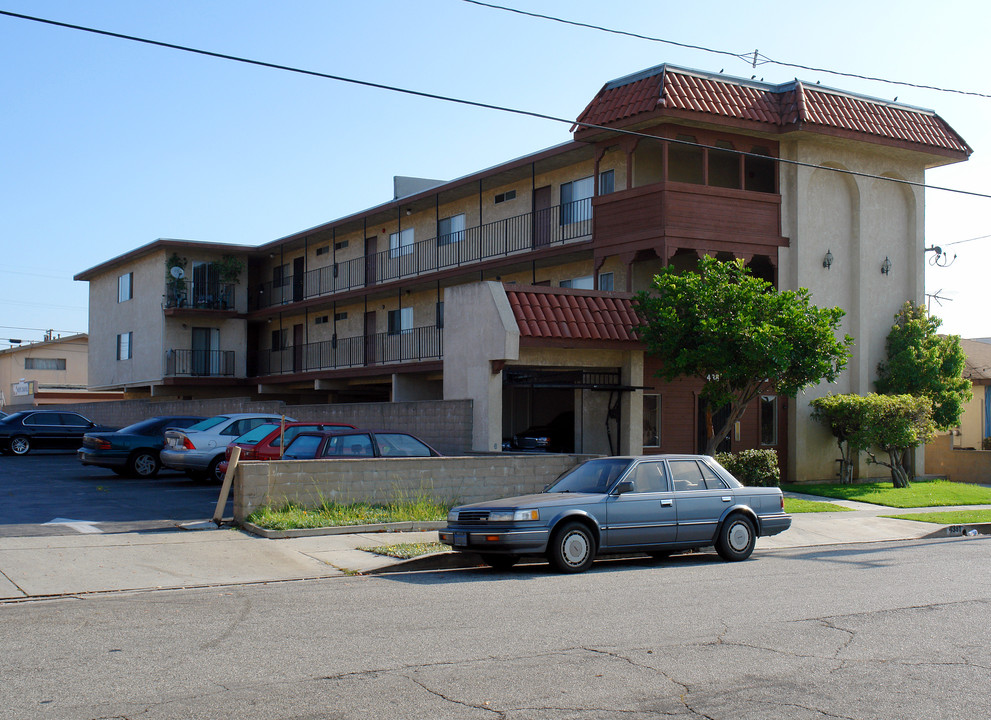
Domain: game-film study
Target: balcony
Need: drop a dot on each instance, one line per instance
(413, 345)
(552, 227)
(192, 295)
(199, 363)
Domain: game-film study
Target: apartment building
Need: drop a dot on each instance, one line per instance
(511, 286)
(52, 371)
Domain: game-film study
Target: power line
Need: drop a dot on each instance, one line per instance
(754, 58)
(475, 103)
(960, 242)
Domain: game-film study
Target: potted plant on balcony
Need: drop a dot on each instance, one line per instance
(229, 269)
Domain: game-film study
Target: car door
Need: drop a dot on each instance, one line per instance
(700, 498)
(646, 516)
(74, 426)
(44, 429)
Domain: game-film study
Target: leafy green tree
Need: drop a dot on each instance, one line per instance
(844, 416)
(738, 335)
(895, 425)
(920, 362)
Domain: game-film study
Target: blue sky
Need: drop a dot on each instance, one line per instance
(106, 145)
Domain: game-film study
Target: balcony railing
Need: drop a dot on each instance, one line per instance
(551, 227)
(199, 363)
(199, 295)
(413, 345)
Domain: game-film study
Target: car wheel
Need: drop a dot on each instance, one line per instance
(20, 445)
(213, 471)
(143, 464)
(736, 538)
(572, 548)
(499, 562)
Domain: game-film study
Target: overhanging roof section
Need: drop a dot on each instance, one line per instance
(671, 91)
(562, 314)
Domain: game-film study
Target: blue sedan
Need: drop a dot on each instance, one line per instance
(657, 504)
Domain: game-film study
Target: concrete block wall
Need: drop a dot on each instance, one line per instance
(443, 424)
(310, 483)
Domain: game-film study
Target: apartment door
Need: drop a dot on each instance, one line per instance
(371, 257)
(542, 216)
(298, 276)
(370, 338)
(297, 347)
(205, 358)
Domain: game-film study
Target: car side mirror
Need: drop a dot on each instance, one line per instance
(623, 486)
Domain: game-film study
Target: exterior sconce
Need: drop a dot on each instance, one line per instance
(827, 260)
(409, 211)
(886, 266)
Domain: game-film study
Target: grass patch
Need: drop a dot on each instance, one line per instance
(405, 551)
(928, 493)
(331, 514)
(952, 517)
(797, 505)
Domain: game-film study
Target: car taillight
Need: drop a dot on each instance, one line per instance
(103, 445)
(247, 453)
(782, 503)
(188, 444)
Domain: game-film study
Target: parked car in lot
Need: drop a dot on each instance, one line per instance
(356, 443)
(265, 441)
(199, 449)
(133, 450)
(657, 504)
(27, 430)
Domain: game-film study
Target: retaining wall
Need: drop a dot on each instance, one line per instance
(968, 466)
(443, 424)
(447, 479)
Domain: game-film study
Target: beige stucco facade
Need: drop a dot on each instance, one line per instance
(56, 367)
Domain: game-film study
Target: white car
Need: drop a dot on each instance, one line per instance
(200, 448)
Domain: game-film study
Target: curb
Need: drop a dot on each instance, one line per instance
(410, 526)
(961, 530)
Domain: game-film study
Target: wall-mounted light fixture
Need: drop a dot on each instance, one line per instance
(827, 260)
(409, 211)
(886, 266)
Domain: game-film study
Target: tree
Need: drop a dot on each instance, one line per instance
(897, 424)
(844, 416)
(922, 363)
(738, 335)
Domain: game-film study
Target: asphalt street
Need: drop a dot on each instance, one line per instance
(879, 630)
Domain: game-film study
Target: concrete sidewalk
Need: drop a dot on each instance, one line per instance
(52, 566)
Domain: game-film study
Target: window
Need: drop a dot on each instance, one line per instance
(712, 481)
(280, 276)
(651, 421)
(685, 161)
(606, 281)
(323, 250)
(124, 346)
(340, 316)
(576, 200)
(280, 339)
(340, 245)
(349, 446)
(724, 166)
(759, 171)
(439, 314)
(400, 321)
(649, 477)
(451, 229)
(768, 420)
(322, 319)
(607, 182)
(400, 445)
(579, 283)
(503, 197)
(44, 363)
(125, 284)
(686, 475)
(401, 243)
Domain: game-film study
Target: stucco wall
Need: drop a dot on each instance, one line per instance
(451, 479)
(968, 466)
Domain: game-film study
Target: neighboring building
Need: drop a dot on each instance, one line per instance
(975, 424)
(50, 372)
(511, 286)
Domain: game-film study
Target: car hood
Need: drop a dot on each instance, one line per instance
(535, 501)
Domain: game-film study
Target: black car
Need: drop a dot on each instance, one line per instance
(20, 432)
(132, 450)
(350, 443)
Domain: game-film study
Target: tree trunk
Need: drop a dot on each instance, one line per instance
(846, 462)
(899, 478)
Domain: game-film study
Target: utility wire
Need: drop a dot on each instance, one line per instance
(754, 58)
(475, 103)
(959, 242)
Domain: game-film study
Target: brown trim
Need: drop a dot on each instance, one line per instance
(369, 371)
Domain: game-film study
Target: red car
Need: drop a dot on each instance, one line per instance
(265, 441)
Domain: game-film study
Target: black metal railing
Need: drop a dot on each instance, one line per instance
(413, 345)
(199, 295)
(201, 363)
(532, 231)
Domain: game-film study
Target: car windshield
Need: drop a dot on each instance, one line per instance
(257, 434)
(209, 422)
(12, 417)
(594, 476)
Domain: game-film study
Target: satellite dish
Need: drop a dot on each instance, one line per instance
(177, 272)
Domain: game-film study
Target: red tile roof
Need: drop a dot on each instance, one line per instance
(792, 104)
(562, 313)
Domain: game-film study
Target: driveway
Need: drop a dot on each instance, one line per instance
(51, 493)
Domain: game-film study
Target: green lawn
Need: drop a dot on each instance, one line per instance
(405, 551)
(291, 517)
(930, 493)
(953, 517)
(796, 505)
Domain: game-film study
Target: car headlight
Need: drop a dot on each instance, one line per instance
(452, 516)
(514, 516)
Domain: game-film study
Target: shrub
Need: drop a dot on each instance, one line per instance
(986, 443)
(753, 467)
